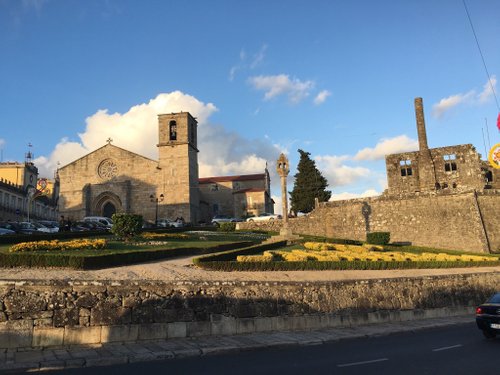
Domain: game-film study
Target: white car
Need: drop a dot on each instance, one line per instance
(218, 219)
(167, 223)
(264, 217)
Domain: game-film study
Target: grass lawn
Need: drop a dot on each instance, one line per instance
(142, 249)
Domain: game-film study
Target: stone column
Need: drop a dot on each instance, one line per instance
(282, 167)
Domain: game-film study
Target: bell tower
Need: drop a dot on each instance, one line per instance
(178, 163)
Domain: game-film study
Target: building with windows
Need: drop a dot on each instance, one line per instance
(112, 179)
(236, 196)
(450, 169)
(23, 196)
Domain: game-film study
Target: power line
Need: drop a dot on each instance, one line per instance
(482, 57)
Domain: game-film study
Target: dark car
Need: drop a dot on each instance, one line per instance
(488, 316)
(20, 228)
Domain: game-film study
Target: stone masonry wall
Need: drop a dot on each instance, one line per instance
(447, 221)
(41, 314)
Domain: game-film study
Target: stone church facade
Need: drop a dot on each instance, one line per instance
(112, 179)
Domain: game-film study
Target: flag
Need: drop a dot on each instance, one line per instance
(498, 122)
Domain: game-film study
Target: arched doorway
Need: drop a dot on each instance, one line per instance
(108, 209)
(106, 204)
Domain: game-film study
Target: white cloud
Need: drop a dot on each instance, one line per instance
(346, 195)
(487, 92)
(243, 64)
(395, 145)
(259, 57)
(281, 84)
(321, 97)
(337, 173)
(470, 98)
(236, 155)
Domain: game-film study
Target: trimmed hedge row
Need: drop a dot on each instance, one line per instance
(106, 260)
(231, 255)
(342, 265)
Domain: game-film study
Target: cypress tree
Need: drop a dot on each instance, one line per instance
(309, 184)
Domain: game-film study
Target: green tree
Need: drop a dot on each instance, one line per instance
(309, 184)
(126, 226)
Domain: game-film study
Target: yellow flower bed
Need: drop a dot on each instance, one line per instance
(328, 252)
(254, 258)
(151, 236)
(56, 245)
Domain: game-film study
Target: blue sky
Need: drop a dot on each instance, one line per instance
(334, 78)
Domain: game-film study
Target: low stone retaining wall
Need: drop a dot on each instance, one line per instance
(41, 314)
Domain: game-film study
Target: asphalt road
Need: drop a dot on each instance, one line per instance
(458, 349)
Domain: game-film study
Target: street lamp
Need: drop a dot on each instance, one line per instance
(157, 201)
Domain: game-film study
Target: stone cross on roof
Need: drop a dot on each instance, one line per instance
(109, 140)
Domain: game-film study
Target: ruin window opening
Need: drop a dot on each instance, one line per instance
(173, 130)
(405, 168)
(438, 186)
(489, 176)
(449, 162)
(454, 185)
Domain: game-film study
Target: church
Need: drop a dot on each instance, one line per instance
(114, 180)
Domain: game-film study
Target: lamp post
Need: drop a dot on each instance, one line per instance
(157, 201)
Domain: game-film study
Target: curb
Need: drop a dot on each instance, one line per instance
(114, 354)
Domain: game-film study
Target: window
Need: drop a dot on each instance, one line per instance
(449, 163)
(489, 177)
(173, 130)
(405, 166)
(236, 186)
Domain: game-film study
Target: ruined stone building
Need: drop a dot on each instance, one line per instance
(444, 197)
(112, 179)
(449, 169)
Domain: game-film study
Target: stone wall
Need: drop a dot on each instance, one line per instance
(466, 221)
(41, 314)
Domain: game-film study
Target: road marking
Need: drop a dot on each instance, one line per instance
(363, 362)
(447, 347)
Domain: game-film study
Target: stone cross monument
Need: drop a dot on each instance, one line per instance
(282, 167)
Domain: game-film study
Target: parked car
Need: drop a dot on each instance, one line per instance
(101, 219)
(488, 316)
(4, 231)
(265, 216)
(11, 226)
(27, 227)
(41, 228)
(85, 226)
(217, 219)
(52, 225)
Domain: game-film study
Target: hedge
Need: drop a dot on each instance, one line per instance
(232, 254)
(378, 238)
(105, 260)
(342, 265)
